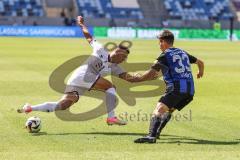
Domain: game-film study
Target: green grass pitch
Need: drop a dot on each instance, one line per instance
(206, 129)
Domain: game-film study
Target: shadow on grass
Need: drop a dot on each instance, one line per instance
(93, 133)
(165, 138)
(39, 134)
(189, 140)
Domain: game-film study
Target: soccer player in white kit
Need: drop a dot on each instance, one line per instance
(89, 76)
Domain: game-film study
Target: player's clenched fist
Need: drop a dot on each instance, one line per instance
(80, 20)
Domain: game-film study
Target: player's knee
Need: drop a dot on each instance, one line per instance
(160, 109)
(67, 101)
(65, 104)
(111, 91)
(156, 113)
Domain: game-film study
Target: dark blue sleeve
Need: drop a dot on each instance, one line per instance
(160, 64)
(192, 59)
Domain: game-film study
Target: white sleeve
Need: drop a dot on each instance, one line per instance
(96, 45)
(117, 70)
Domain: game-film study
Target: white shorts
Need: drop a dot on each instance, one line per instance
(74, 89)
(86, 81)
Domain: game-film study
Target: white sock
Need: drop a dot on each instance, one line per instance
(45, 107)
(111, 102)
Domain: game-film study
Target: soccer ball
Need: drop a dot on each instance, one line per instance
(33, 125)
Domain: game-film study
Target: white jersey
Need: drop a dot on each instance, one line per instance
(95, 66)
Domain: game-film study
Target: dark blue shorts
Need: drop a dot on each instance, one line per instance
(176, 100)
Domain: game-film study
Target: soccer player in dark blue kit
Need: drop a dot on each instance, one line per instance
(174, 63)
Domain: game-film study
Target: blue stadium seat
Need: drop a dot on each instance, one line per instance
(104, 8)
(21, 8)
(198, 10)
(236, 3)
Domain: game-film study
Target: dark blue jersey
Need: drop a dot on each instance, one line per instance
(176, 69)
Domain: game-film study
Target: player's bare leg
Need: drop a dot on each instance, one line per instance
(70, 98)
(158, 115)
(65, 102)
(111, 100)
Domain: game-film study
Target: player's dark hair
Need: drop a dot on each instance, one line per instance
(124, 48)
(167, 36)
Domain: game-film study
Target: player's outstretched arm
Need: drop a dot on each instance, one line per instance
(148, 75)
(200, 65)
(88, 36)
(128, 77)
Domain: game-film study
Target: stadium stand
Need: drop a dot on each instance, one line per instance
(198, 10)
(121, 13)
(236, 4)
(60, 8)
(23, 8)
(110, 9)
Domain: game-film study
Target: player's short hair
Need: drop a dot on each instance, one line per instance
(124, 48)
(167, 36)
